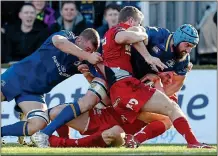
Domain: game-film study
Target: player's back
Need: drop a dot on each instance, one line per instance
(46, 67)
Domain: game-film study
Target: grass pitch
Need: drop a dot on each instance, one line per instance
(148, 149)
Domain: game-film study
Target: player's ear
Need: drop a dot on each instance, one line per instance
(20, 15)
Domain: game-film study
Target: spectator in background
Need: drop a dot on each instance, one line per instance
(111, 14)
(44, 12)
(71, 19)
(24, 37)
(215, 18)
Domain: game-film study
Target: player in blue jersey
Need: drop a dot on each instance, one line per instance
(172, 49)
(53, 62)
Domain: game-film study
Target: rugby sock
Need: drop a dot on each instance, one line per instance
(64, 131)
(182, 126)
(94, 140)
(17, 129)
(150, 131)
(69, 113)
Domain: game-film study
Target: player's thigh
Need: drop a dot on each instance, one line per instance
(28, 106)
(80, 123)
(158, 103)
(149, 117)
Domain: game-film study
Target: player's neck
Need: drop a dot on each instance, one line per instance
(25, 28)
(171, 46)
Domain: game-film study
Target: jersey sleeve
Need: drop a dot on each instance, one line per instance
(68, 34)
(65, 33)
(156, 34)
(114, 31)
(182, 68)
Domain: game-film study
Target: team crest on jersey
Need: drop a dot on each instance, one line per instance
(77, 63)
(170, 63)
(116, 102)
(156, 49)
(103, 41)
(63, 68)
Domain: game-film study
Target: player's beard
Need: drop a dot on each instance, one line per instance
(179, 55)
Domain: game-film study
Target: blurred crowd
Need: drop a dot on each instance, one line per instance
(25, 25)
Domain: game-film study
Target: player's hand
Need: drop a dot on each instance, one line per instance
(190, 65)
(150, 77)
(83, 68)
(155, 62)
(95, 58)
(166, 77)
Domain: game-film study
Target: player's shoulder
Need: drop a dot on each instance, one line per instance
(162, 31)
(66, 33)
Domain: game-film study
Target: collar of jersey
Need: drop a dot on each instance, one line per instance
(126, 26)
(168, 42)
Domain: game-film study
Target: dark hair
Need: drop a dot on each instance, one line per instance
(113, 7)
(92, 35)
(68, 2)
(27, 4)
(128, 12)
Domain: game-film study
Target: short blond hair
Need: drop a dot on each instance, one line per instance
(92, 35)
(128, 12)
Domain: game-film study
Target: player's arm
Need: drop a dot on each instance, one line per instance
(84, 69)
(131, 35)
(154, 61)
(175, 86)
(66, 46)
(178, 79)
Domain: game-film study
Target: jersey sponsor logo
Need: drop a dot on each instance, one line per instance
(61, 68)
(131, 103)
(156, 49)
(170, 63)
(3, 83)
(77, 63)
(124, 119)
(97, 111)
(116, 102)
(103, 41)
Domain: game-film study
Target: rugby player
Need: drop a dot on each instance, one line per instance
(138, 97)
(26, 81)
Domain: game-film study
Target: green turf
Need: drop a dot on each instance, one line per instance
(158, 149)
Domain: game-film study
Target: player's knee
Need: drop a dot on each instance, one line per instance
(35, 125)
(175, 111)
(99, 88)
(37, 120)
(53, 112)
(167, 122)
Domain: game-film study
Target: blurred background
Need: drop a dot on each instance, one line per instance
(23, 32)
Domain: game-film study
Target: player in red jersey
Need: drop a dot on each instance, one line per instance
(128, 95)
(104, 125)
